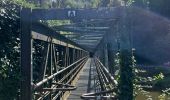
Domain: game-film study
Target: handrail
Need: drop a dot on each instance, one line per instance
(94, 95)
(61, 81)
(60, 89)
(107, 72)
(67, 87)
(55, 74)
(106, 77)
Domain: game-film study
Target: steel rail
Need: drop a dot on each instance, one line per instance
(100, 79)
(109, 83)
(104, 82)
(94, 95)
(102, 74)
(72, 77)
(55, 74)
(67, 87)
(69, 80)
(111, 78)
(105, 78)
(60, 89)
(62, 80)
(68, 74)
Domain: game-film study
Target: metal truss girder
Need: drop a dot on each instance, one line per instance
(92, 35)
(83, 34)
(42, 32)
(72, 26)
(90, 38)
(78, 30)
(42, 37)
(92, 23)
(89, 44)
(68, 13)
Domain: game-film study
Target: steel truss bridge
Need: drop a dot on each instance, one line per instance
(74, 65)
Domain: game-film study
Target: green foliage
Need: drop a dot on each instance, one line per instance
(57, 22)
(141, 3)
(77, 3)
(165, 94)
(125, 86)
(117, 66)
(105, 3)
(10, 48)
(140, 83)
(129, 2)
(159, 6)
(144, 85)
(158, 77)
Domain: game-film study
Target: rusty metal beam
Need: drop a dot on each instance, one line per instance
(68, 13)
(26, 55)
(42, 32)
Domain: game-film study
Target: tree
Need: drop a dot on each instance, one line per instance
(9, 51)
(160, 6)
(105, 3)
(10, 48)
(141, 3)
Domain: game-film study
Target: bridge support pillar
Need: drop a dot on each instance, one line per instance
(26, 55)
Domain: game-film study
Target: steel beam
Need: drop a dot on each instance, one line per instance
(42, 32)
(78, 30)
(68, 13)
(73, 26)
(26, 55)
(86, 33)
(83, 40)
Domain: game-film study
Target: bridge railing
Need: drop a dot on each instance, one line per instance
(61, 81)
(49, 61)
(105, 84)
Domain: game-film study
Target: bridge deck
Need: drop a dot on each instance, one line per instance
(85, 82)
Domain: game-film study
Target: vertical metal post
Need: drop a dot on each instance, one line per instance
(106, 56)
(78, 54)
(26, 55)
(65, 56)
(68, 56)
(57, 59)
(59, 55)
(50, 67)
(73, 54)
(81, 53)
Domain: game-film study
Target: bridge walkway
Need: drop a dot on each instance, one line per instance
(85, 83)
